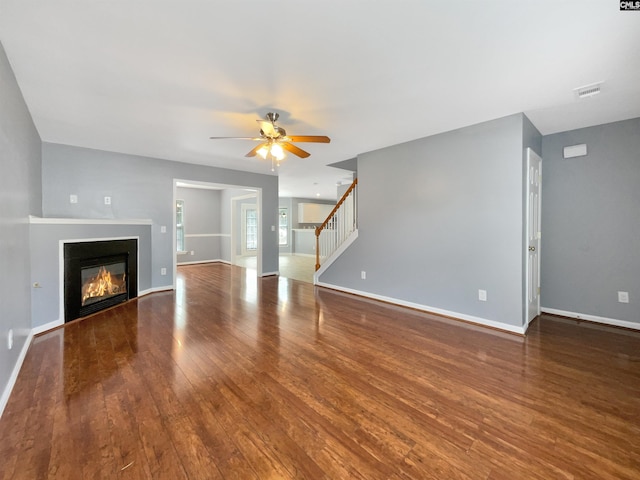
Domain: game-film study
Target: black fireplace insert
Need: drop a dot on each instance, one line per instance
(98, 275)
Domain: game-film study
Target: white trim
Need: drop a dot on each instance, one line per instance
(244, 208)
(195, 235)
(425, 308)
(46, 327)
(332, 258)
(593, 318)
(217, 260)
(4, 399)
(90, 221)
(269, 274)
(244, 197)
(154, 290)
(532, 156)
(58, 323)
(234, 220)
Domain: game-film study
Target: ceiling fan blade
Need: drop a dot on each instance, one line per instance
(268, 128)
(254, 151)
(236, 138)
(309, 138)
(295, 150)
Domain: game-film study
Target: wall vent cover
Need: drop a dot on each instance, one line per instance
(588, 90)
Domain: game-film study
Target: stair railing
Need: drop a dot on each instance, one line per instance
(340, 223)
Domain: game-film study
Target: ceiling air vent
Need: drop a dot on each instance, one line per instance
(588, 90)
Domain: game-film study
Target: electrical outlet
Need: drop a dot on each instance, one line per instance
(192, 252)
(623, 297)
(73, 198)
(163, 271)
(163, 229)
(107, 200)
(10, 339)
(482, 295)
(363, 275)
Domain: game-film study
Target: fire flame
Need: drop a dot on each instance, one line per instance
(103, 285)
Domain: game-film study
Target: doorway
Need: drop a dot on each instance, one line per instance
(245, 230)
(249, 230)
(533, 235)
(212, 225)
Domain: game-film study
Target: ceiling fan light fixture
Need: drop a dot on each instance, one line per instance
(263, 151)
(274, 141)
(276, 151)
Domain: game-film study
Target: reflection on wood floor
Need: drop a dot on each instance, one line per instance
(296, 267)
(234, 376)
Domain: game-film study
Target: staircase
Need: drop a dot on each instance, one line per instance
(338, 231)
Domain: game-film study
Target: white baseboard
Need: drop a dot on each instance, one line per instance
(426, 308)
(47, 326)
(14, 373)
(270, 274)
(56, 323)
(154, 290)
(593, 318)
(203, 261)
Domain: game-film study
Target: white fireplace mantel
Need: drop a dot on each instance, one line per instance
(89, 221)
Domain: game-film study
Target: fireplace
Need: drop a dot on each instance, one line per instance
(98, 275)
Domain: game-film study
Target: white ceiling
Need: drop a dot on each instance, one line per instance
(159, 77)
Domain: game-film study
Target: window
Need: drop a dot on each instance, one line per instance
(283, 227)
(251, 229)
(180, 225)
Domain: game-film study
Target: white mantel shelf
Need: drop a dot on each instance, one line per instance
(90, 221)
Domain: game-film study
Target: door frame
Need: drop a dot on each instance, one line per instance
(255, 192)
(244, 207)
(532, 241)
(236, 214)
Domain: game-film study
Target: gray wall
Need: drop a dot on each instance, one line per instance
(142, 187)
(20, 196)
(304, 242)
(440, 218)
(294, 210)
(591, 222)
(202, 217)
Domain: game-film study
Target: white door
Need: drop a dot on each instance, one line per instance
(534, 175)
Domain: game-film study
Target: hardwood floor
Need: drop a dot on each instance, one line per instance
(297, 267)
(231, 376)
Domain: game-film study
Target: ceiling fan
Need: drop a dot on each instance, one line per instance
(274, 141)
